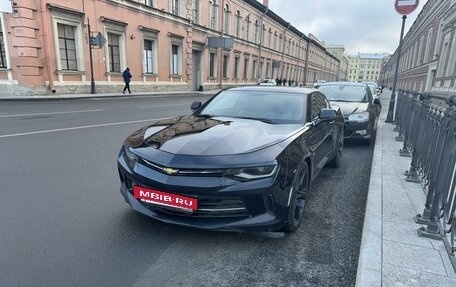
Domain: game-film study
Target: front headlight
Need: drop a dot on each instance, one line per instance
(361, 117)
(250, 173)
(130, 158)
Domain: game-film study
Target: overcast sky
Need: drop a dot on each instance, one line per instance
(366, 26)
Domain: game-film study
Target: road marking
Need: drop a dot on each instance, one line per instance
(161, 106)
(76, 128)
(53, 113)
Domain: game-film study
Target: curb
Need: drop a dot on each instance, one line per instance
(369, 271)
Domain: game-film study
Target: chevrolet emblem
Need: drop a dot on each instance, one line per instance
(170, 171)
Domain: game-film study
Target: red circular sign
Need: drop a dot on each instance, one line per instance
(405, 7)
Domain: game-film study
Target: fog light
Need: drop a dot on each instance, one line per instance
(361, 132)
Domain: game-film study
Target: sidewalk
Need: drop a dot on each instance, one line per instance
(107, 95)
(392, 253)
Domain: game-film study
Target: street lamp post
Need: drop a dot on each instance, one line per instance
(390, 116)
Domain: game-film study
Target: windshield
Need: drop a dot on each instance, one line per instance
(267, 106)
(344, 92)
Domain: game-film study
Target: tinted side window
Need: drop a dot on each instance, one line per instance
(318, 102)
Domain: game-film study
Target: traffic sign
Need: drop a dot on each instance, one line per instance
(405, 7)
(97, 41)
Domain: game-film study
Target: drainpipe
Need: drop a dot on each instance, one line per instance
(283, 48)
(47, 64)
(261, 44)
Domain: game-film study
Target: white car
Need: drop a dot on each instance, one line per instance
(267, 82)
(318, 83)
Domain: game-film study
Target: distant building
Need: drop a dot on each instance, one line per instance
(428, 57)
(366, 67)
(44, 46)
(339, 52)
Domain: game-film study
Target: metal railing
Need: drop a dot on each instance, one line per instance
(427, 125)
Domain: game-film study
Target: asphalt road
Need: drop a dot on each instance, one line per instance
(63, 221)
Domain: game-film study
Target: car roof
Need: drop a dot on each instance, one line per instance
(356, 84)
(277, 89)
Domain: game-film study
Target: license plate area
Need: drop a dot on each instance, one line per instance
(163, 198)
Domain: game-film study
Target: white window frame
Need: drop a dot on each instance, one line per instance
(227, 16)
(238, 24)
(5, 43)
(175, 61)
(196, 8)
(120, 31)
(60, 17)
(213, 17)
(212, 65)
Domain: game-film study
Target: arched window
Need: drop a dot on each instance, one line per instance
(227, 19)
(270, 38)
(196, 11)
(238, 24)
(275, 40)
(257, 29)
(213, 15)
(247, 28)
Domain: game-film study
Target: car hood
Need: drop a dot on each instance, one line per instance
(349, 108)
(191, 135)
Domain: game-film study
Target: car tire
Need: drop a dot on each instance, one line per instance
(335, 162)
(301, 184)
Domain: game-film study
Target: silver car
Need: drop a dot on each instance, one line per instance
(358, 106)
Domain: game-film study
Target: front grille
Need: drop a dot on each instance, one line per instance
(208, 207)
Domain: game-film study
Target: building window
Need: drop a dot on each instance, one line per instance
(280, 44)
(149, 57)
(257, 30)
(254, 64)
(149, 3)
(3, 63)
(225, 66)
(175, 59)
(196, 9)
(213, 15)
(212, 65)
(67, 47)
(246, 67)
(247, 28)
(452, 60)
(275, 40)
(236, 67)
(114, 52)
(270, 38)
(227, 19)
(263, 35)
(238, 24)
(175, 7)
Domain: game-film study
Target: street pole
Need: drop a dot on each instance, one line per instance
(390, 116)
(92, 81)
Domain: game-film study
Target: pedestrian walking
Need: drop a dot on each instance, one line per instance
(127, 77)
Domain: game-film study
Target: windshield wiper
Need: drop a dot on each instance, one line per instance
(205, 116)
(268, 121)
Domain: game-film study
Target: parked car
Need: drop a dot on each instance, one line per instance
(267, 82)
(318, 83)
(242, 161)
(358, 106)
(375, 90)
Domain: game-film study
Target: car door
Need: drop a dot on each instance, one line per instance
(322, 133)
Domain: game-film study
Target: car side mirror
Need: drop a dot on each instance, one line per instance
(195, 106)
(376, 101)
(327, 115)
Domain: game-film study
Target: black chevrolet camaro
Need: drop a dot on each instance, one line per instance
(242, 161)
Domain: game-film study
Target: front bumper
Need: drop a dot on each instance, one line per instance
(259, 205)
(357, 130)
